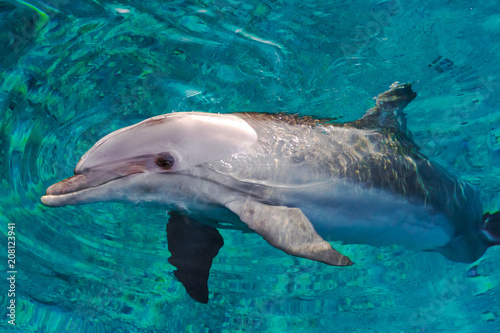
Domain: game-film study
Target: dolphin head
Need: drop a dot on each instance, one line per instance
(146, 157)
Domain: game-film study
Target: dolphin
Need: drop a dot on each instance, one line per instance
(299, 182)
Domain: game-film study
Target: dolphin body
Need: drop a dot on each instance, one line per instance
(298, 182)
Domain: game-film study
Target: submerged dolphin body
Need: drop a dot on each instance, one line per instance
(298, 182)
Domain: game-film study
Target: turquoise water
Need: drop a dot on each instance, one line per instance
(73, 71)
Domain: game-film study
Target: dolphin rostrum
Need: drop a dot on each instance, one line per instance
(299, 182)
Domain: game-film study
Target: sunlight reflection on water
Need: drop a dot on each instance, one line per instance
(73, 71)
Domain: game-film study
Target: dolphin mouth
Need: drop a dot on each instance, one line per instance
(70, 185)
(71, 190)
(75, 189)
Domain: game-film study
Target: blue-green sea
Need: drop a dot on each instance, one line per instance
(72, 71)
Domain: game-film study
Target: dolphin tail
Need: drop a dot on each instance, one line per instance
(491, 228)
(388, 111)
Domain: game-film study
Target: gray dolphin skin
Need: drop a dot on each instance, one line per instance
(299, 182)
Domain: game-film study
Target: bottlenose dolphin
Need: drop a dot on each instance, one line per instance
(299, 182)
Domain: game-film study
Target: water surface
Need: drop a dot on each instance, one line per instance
(73, 71)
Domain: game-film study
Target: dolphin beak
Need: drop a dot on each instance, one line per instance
(88, 185)
(69, 185)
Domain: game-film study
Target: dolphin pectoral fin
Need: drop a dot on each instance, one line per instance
(287, 229)
(193, 247)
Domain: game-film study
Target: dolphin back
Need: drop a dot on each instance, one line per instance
(375, 152)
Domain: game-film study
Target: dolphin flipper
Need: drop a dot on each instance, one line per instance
(287, 229)
(193, 247)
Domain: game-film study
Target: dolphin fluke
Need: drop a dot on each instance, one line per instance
(193, 247)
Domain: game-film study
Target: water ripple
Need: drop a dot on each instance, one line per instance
(74, 71)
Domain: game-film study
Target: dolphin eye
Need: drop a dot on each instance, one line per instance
(165, 161)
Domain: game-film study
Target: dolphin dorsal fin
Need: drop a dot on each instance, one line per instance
(388, 111)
